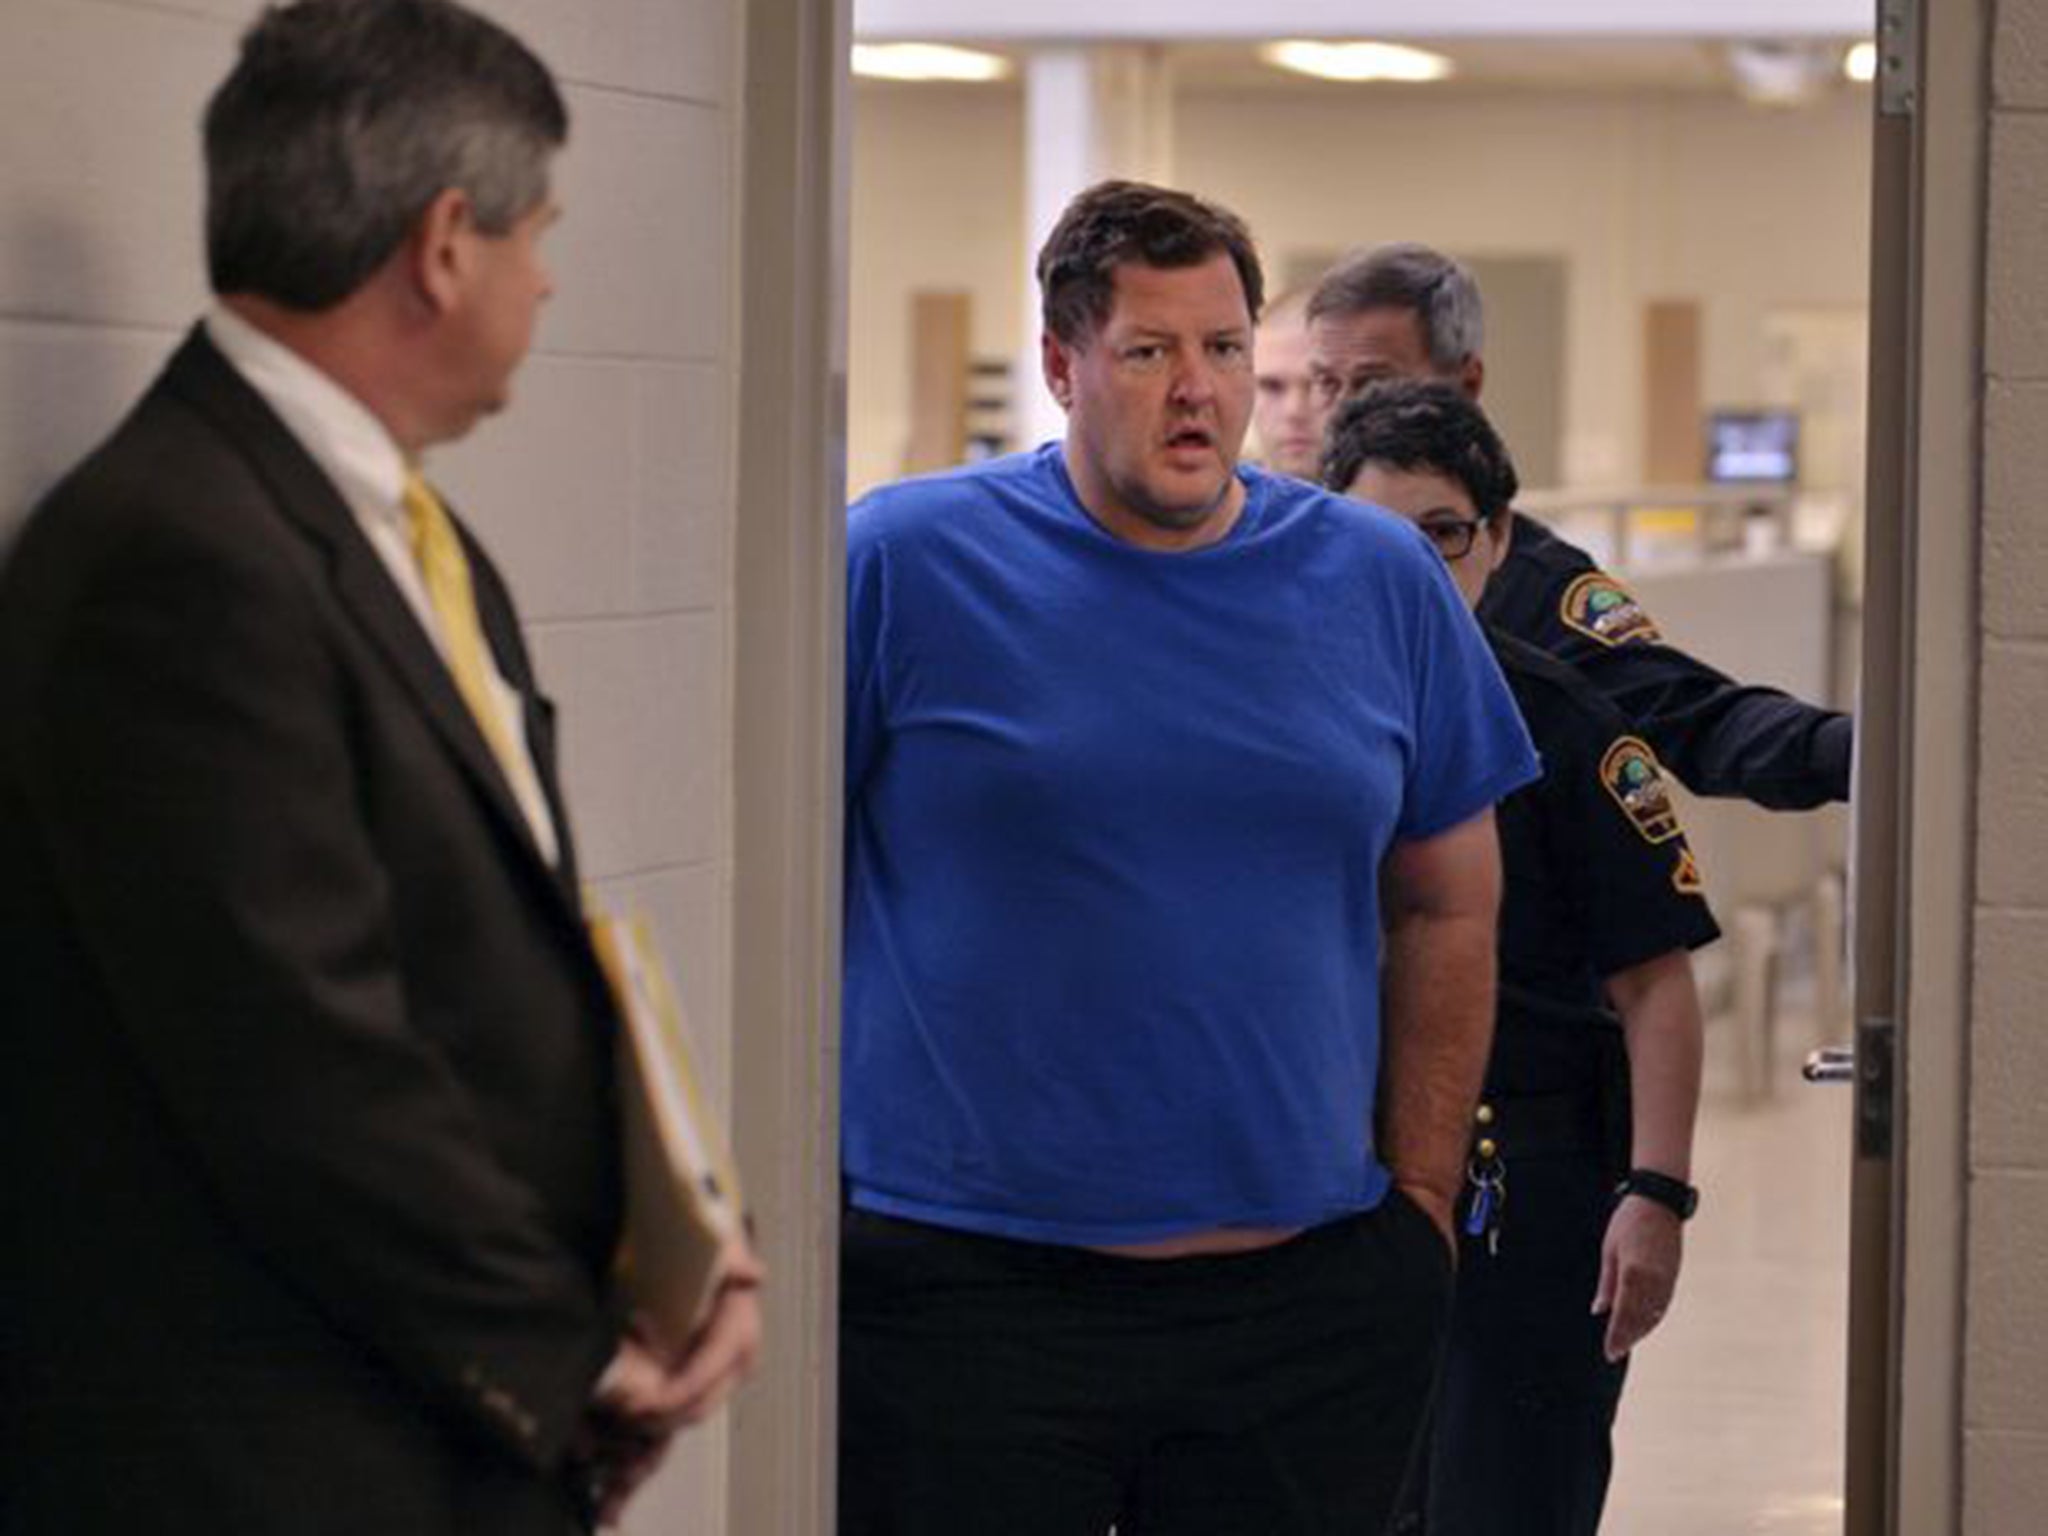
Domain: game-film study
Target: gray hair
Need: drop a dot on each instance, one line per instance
(344, 119)
(1440, 292)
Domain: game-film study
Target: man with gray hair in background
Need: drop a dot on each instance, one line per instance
(308, 1138)
(1405, 311)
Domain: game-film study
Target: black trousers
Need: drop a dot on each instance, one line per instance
(1019, 1389)
(1521, 1442)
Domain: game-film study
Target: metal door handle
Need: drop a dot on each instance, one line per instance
(1830, 1064)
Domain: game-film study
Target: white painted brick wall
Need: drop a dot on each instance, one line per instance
(2006, 1357)
(642, 699)
(2016, 334)
(605, 492)
(2012, 805)
(99, 109)
(2005, 1412)
(2019, 74)
(2005, 1482)
(2014, 541)
(639, 183)
(2011, 1048)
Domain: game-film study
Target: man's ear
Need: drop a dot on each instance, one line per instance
(437, 254)
(1057, 360)
(1472, 376)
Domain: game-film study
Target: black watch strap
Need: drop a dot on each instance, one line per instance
(1675, 1195)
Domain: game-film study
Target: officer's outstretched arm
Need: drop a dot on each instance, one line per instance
(1659, 1004)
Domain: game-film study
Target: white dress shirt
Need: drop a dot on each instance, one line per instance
(354, 451)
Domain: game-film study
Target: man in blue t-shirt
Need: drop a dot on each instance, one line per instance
(1171, 886)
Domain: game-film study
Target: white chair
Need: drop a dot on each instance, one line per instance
(1765, 870)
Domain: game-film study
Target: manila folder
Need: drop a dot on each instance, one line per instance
(683, 1202)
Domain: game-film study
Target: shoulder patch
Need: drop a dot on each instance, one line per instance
(1633, 778)
(1685, 877)
(1601, 608)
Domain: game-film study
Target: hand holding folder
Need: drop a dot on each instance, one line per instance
(685, 1216)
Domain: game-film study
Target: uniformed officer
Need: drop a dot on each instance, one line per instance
(1406, 311)
(1578, 1185)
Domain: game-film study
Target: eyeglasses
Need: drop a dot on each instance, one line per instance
(1452, 536)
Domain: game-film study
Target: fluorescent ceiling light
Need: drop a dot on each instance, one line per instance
(1779, 72)
(926, 61)
(1356, 61)
(1860, 63)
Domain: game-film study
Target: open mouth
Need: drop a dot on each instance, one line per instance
(1190, 440)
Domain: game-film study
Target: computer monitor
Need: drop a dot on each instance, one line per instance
(1753, 447)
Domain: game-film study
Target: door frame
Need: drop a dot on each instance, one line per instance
(1916, 775)
(1915, 781)
(788, 662)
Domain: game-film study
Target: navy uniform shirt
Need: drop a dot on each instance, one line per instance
(1719, 736)
(1598, 877)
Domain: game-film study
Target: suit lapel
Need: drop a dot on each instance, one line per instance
(307, 498)
(500, 624)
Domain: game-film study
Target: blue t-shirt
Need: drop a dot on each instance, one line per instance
(1115, 820)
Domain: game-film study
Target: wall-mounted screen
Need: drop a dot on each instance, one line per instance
(1752, 447)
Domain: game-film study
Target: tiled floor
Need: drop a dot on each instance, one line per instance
(1733, 1420)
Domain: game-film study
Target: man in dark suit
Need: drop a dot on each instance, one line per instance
(308, 1156)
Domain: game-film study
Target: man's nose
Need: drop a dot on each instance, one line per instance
(1194, 379)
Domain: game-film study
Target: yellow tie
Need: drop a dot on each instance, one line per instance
(437, 550)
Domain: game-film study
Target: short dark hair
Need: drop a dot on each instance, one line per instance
(1130, 221)
(343, 119)
(1440, 292)
(1413, 424)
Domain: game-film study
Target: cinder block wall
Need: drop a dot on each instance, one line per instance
(2005, 1406)
(606, 492)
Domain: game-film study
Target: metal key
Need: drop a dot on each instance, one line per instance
(1489, 1195)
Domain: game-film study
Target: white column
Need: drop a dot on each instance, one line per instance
(1089, 113)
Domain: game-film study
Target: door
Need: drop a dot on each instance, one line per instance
(1914, 772)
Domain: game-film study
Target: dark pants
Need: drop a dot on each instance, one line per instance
(1019, 1389)
(1521, 1442)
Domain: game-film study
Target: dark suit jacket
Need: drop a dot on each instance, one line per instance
(308, 1169)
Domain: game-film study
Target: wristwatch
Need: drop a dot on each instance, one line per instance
(1675, 1195)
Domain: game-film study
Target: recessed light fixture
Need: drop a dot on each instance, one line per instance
(1356, 61)
(1779, 72)
(1860, 63)
(926, 61)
